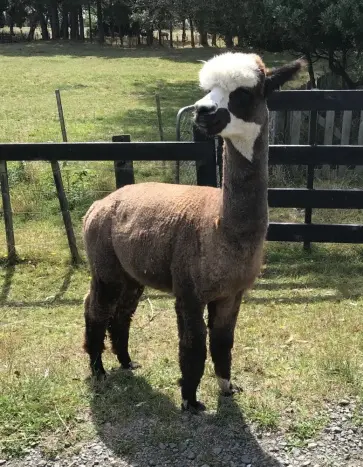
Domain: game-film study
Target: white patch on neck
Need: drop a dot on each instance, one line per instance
(230, 71)
(245, 142)
(224, 384)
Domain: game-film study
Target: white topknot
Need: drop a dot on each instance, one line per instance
(230, 71)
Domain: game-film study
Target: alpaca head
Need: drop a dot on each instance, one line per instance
(235, 106)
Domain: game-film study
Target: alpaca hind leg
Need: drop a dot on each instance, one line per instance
(192, 350)
(99, 306)
(119, 326)
(222, 318)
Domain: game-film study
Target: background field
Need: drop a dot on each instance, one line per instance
(299, 338)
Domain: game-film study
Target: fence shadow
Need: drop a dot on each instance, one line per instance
(6, 285)
(138, 422)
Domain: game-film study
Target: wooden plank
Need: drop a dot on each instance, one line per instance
(329, 127)
(360, 132)
(106, 151)
(316, 99)
(207, 169)
(324, 233)
(63, 202)
(315, 155)
(328, 136)
(346, 129)
(360, 139)
(315, 198)
(311, 168)
(295, 127)
(8, 215)
(272, 127)
(124, 170)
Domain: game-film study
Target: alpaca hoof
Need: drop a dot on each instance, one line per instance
(232, 390)
(194, 408)
(131, 366)
(99, 375)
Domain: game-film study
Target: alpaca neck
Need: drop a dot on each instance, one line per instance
(244, 187)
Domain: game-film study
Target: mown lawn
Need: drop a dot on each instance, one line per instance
(298, 344)
(300, 332)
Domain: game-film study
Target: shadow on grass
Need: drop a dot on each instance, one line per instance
(107, 51)
(55, 301)
(139, 423)
(328, 275)
(6, 285)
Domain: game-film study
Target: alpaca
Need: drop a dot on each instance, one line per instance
(202, 244)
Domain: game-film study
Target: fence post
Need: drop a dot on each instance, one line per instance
(8, 215)
(206, 170)
(311, 170)
(124, 170)
(63, 202)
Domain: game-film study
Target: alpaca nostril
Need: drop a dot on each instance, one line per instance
(205, 109)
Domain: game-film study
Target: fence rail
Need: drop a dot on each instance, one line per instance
(122, 153)
(206, 152)
(312, 156)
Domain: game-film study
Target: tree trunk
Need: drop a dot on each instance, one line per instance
(184, 35)
(240, 41)
(159, 36)
(54, 20)
(120, 34)
(81, 23)
(101, 32)
(74, 23)
(203, 36)
(171, 43)
(214, 40)
(311, 70)
(150, 37)
(90, 23)
(192, 42)
(12, 27)
(32, 28)
(228, 39)
(44, 27)
(65, 23)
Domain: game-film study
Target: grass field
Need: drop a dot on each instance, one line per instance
(300, 333)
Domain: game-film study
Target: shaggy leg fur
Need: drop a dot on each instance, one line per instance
(192, 350)
(99, 306)
(221, 323)
(120, 324)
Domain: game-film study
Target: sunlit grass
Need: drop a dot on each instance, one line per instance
(298, 343)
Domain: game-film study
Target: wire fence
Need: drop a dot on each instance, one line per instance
(39, 229)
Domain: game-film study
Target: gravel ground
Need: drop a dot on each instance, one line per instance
(209, 443)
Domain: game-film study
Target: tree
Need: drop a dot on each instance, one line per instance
(318, 29)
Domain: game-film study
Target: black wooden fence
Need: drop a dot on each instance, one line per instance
(207, 156)
(312, 155)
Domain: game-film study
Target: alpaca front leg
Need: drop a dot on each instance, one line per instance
(192, 351)
(221, 323)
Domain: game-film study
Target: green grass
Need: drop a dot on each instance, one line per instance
(298, 343)
(299, 336)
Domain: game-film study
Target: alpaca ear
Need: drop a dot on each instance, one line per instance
(277, 77)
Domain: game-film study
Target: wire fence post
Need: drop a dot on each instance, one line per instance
(8, 215)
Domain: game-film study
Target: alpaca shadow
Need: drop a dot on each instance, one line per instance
(138, 423)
